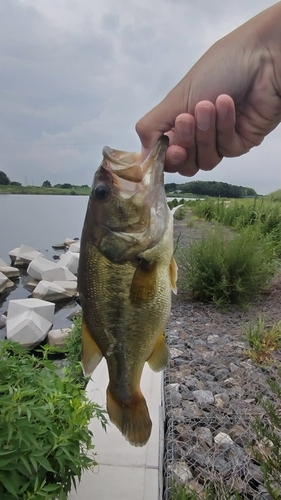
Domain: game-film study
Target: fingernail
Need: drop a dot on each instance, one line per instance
(203, 117)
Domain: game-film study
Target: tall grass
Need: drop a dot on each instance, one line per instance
(225, 271)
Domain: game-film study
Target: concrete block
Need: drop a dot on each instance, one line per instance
(47, 290)
(75, 247)
(69, 241)
(58, 273)
(70, 287)
(9, 271)
(70, 260)
(58, 337)
(37, 267)
(29, 320)
(26, 254)
(5, 283)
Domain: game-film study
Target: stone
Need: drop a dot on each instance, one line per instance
(58, 337)
(182, 472)
(70, 260)
(29, 320)
(204, 434)
(47, 290)
(174, 352)
(222, 373)
(221, 399)
(5, 283)
(75, 247)
(191, 383)
(175, 395)
(191, 410)
(223, 439)
(204, 397)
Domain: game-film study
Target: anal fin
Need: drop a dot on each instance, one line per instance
(91, 353)
(159, 357)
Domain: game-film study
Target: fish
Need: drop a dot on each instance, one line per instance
(126, 274)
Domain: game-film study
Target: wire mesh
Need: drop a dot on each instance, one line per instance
(209, 436)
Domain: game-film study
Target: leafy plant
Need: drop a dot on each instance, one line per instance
(268, 430)
(222, 270)
(45, 443)
(212, 491)
(262, 340)
(73, 350)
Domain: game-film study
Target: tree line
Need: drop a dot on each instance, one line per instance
(211, 188)
(5, 181)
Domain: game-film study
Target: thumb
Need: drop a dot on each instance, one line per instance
(158, 121)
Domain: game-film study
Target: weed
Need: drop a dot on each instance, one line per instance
(262, 340)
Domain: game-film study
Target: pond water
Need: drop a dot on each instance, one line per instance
(39, 221)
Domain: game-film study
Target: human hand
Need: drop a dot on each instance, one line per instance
(227, 103)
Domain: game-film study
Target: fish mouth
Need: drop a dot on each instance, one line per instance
(129, 174)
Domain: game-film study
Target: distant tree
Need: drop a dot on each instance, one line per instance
(46, 184)
(15, 183)
(85, 186)
(66, 186)
(4, 179)
(171, 187)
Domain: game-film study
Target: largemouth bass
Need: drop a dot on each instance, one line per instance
(126, 273)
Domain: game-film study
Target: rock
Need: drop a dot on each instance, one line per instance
(47, 290)
(212, 338)
(57, 338)
(5, 283)
(75, 247)
(222, 374)
(70, 260)
(221, 399)
(174, 394)
(204, 434)
(204, 397)
(191, 383)
(29, 320)
(191, 410)
(223, 439)
(182, 472)
(174, 353)
(58, 246)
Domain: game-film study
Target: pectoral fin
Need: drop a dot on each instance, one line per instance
(159, 358)
(91, 353)
(173, 275)
(143, 286)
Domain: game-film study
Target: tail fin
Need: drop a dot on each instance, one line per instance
(131, 418)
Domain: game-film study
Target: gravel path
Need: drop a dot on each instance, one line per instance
(211, 392)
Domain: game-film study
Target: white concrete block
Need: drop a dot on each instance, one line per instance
(70, 287)
(26, 254)
(3, 263)
(58, 337)
(5, 283)
(14, 253)
(70, 260)
(37, 267)
(69, 241)
(58, 273)
(29, 320)
(75, 247)
(47, 290)
(9, 271)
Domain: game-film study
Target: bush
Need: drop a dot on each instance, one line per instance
(73, 350)
(44, 438)
(224, 271)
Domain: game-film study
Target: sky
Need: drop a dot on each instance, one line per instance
(76, 75)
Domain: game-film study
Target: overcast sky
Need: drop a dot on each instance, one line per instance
(77, 75)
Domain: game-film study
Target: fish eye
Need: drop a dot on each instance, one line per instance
(102, 192)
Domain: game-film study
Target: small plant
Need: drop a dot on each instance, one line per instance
(212, 491)
(262, 340)
(180, 214)
(45, 443)
(225, 271)
(73, 351)
(268, 430)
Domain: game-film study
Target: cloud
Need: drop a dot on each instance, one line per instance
(77, 75)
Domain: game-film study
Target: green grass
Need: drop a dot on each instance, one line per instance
(263, 341)
(225, 270)
(78, 190)
(274, 196)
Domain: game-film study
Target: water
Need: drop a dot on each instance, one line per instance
(39, 221)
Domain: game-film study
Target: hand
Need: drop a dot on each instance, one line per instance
(227, 103)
